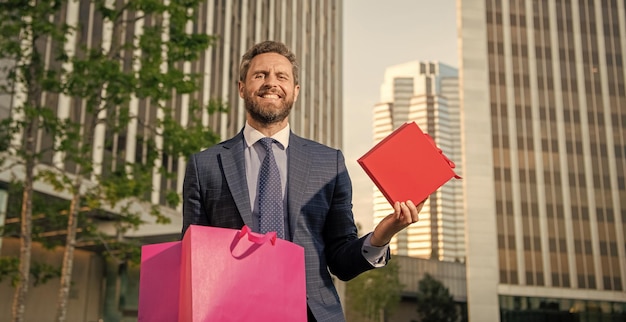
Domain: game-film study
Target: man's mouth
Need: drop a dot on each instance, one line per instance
(270, 94)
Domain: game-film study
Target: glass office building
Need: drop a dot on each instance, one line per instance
(543, 104)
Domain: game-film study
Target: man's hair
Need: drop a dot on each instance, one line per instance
(263, 48)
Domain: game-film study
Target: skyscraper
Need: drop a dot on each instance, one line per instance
(543, 104)
(311, 29)
(427, 93)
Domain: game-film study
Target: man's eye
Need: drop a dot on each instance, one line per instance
(258, 76)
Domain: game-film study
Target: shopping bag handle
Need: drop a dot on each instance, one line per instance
(258, 238)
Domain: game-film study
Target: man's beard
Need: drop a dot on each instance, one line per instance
(267, 114)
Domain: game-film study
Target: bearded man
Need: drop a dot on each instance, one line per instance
(228, 185)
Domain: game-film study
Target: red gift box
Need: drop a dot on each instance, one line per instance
(407, 165)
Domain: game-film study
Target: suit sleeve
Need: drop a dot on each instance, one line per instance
(192, 197)
(343, 247)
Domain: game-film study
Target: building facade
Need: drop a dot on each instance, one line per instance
(427, 93)
(312, 29)
(543, 123)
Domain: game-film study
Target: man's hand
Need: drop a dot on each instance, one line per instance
(405, 214)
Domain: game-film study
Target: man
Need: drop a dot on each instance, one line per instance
(225, 185)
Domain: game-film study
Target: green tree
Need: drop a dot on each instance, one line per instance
(99, 78)
(434, 302)
(375, 294)
(21, 36)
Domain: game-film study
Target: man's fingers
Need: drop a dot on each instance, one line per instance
(407, 212)
(414, 211)
(397, 210)
(406, 216)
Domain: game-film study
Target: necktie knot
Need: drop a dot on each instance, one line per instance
(267, 144)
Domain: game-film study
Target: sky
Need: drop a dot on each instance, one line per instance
(376, 35)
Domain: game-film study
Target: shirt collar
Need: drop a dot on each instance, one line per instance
(252, 135)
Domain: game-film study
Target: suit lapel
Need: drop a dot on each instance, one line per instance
(233, 163)
(298, 172)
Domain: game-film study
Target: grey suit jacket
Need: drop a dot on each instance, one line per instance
(319, 193)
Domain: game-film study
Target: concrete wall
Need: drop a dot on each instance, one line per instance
(86, 294)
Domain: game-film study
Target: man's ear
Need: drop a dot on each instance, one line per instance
(241, 86)
(296, 91)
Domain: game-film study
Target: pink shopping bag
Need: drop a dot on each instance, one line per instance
(238, 275)
(159, 282)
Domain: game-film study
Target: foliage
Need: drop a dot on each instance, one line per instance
(25, 31)
(8, 268)
(92, 71)
(49, 215)
(41, 272)
(434, 302)
(98, 78)
(374, 293)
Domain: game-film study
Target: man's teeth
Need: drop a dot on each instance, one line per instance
(270, 96)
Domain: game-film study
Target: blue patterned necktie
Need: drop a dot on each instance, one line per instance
(270, 194)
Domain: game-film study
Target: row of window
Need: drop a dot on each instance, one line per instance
(521, 308)
(607, 248)
(571, 147)
(578, 212)
(561, 280)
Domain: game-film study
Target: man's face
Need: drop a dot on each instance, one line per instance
(269, 90)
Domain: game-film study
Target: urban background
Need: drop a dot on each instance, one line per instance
(102, 101)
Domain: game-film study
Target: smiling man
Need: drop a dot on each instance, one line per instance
(269, 89)
(270, 179)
